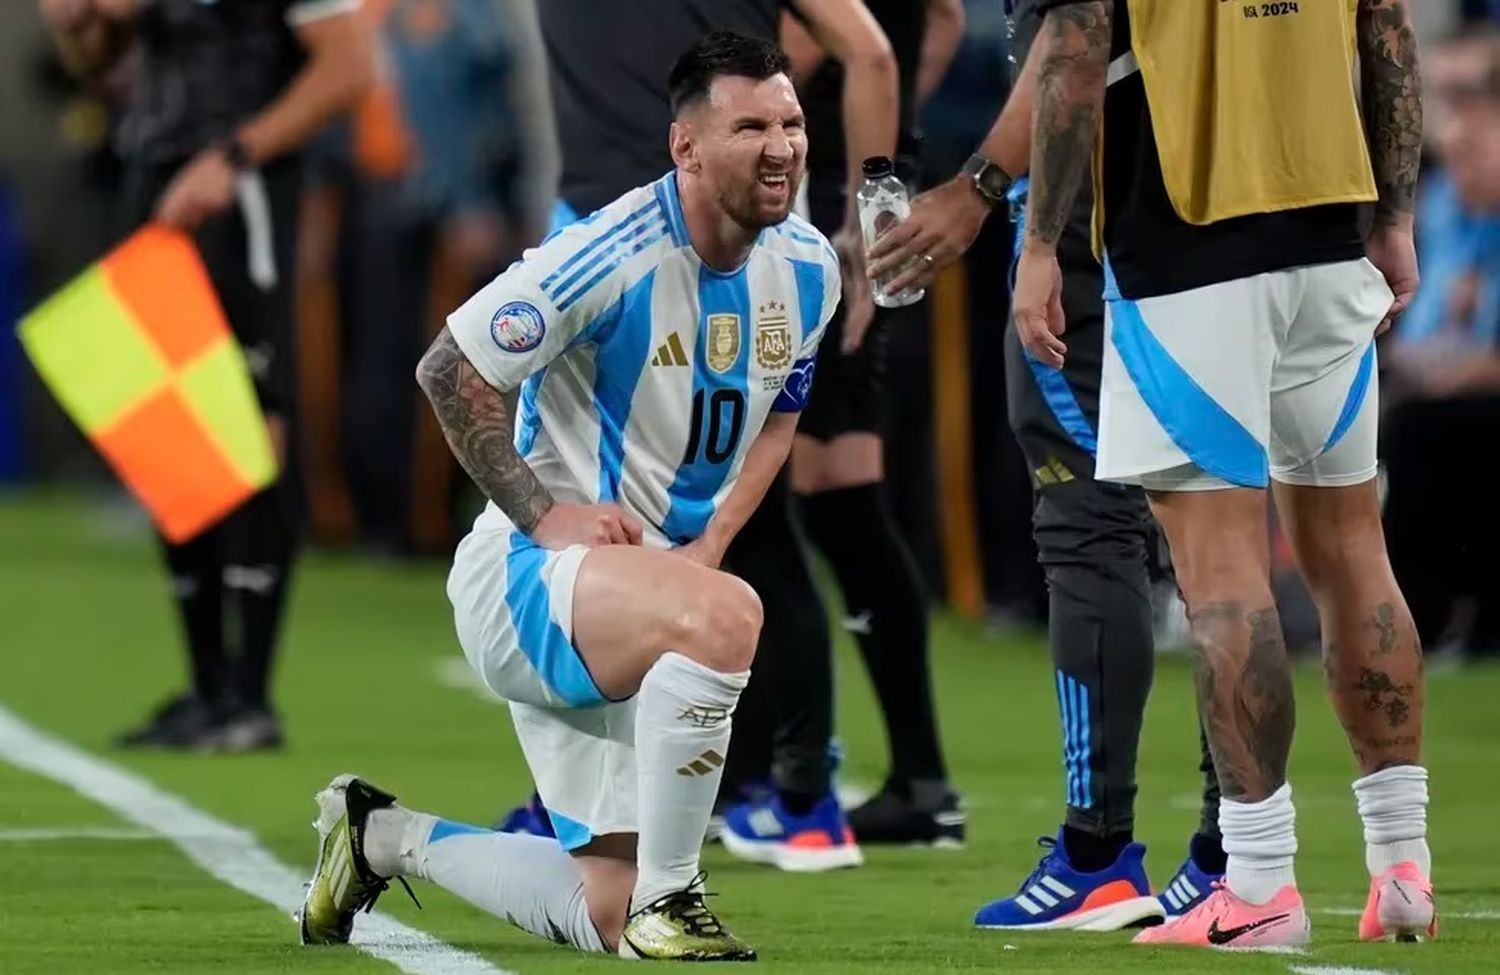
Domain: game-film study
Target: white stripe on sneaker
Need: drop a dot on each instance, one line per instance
(1058, 887)
(1172, 899)
(1040, 893)
(1028, 905)
(1186, 886)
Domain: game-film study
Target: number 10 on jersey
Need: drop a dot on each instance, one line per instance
(725, 422)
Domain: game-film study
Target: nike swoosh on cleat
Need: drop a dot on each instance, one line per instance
(1216, 936)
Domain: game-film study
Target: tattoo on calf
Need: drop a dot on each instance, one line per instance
(1380, 693)
(1245, 695)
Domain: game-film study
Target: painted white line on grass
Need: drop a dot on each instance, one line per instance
(76, 833)
(227, 852)
(1339, 970)
(1443, 914)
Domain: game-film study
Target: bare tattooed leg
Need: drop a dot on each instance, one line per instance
(1371, 654)
(1245, 695)
(1219, 551)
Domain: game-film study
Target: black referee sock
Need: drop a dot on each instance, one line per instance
(262, 545)
(197, 569)
(888, 616)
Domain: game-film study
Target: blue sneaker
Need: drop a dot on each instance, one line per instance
(1057, 897)
(529, 819)
(1188, 888)
(765, 832)
(753, 791)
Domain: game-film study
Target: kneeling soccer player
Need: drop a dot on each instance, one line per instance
(663, 349)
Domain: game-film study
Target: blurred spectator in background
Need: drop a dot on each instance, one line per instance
(412, 204)
(1443, 362)
(223, 97)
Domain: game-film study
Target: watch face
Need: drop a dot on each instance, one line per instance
(992, 181)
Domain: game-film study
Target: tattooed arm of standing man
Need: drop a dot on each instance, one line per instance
(1391, 88)
(1072, 65)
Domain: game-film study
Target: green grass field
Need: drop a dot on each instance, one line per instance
(367, 683)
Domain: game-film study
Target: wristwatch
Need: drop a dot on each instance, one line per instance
(235, 153)
(990, 180)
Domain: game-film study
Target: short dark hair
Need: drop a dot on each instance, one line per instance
(722, 53)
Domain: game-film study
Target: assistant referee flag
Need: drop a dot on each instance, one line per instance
(138, 352)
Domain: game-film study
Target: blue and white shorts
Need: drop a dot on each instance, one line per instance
(513, 609)
(1237, 383)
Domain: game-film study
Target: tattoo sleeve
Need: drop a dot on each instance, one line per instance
(474, 419)
(1074, 50)
(1391, 90)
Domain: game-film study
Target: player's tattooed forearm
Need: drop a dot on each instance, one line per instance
(1069, 96)
(1244, 696)
(475, 421)
(1392, 96)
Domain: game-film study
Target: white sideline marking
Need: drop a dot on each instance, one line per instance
(1339, 970)
(1443, 914)
(76, 833)
(229, 853)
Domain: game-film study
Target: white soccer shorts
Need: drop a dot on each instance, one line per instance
(1271, 376)
(513, 609)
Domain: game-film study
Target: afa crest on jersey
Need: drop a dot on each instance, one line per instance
(773, 337)
(518, 327)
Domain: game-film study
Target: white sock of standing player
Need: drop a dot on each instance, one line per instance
(1393, 807)
(1260, 839)
(681, 738)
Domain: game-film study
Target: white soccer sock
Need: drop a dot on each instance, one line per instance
(1393, 805)
(529, 881)
(1260, 839)
(681, 737)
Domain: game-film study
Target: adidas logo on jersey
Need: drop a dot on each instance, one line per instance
(670, 353)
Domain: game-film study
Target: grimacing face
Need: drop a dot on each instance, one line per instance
(750, 145)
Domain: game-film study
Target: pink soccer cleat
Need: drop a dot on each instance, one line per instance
(1401, 906)
(1226, 921)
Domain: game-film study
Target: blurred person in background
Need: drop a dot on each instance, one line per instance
(837, 473)
(224, 96)
(1095, 541)
(610, 103)
(1442, 362)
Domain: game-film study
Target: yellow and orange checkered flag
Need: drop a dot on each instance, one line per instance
(138, 352)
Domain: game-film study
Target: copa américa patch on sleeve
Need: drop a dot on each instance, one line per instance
(518, 327)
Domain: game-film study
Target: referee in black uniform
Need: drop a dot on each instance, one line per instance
(1095, 539)
(225, 95)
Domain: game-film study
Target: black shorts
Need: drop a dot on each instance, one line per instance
(262, 318)
(848, 391)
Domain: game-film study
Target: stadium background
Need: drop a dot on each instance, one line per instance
(369, 677)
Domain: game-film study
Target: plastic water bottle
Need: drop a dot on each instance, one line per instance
(883, 203)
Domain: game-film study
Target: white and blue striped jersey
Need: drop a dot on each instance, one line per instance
(645, 375)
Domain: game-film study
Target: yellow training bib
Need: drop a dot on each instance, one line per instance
(1253, 105)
